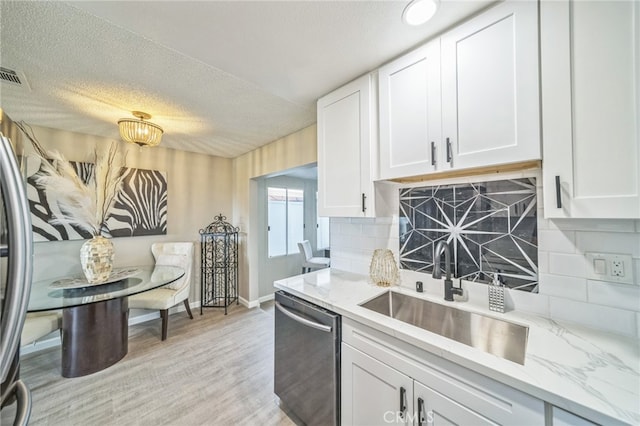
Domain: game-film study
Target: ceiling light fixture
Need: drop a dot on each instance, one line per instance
(140, 132)
(418, 12)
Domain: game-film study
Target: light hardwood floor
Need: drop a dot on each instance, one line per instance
(212, 370)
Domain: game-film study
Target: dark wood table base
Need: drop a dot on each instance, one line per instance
(94, 336)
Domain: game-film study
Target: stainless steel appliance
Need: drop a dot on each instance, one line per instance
(307, 361)
(16, 251)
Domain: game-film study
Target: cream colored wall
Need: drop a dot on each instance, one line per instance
(295, 150)
(199, 187)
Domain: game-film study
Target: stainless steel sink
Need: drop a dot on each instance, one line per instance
(495, 336)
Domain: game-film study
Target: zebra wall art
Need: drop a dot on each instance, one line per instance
(140, 207)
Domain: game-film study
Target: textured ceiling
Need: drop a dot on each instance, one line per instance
(221, 77)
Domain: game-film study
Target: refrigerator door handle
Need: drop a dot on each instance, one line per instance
(19, 270)
(317, 326)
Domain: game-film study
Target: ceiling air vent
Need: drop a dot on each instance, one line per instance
(14, 78)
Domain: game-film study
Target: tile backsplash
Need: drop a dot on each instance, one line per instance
(566, 292)
(490, 228)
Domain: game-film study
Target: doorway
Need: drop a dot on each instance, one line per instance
(287, 214)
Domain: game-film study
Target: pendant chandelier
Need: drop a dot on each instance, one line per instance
(140, 132)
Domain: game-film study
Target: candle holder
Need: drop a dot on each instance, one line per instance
(384, 269)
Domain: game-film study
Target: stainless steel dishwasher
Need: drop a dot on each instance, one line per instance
(307, 361)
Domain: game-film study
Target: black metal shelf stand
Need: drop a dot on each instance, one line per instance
(219, 264)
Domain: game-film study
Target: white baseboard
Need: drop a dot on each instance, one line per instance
(267, 298)
(138, 319)
(256, 303)
(55, 340)
(41, 345)
(249, 304)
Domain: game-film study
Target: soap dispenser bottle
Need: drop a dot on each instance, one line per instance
(496, 294)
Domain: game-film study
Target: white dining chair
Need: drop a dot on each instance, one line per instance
(163, 298)
(310, 262)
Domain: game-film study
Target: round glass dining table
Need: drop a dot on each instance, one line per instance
(95, 317)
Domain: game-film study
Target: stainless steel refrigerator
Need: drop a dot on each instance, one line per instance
(16, 254)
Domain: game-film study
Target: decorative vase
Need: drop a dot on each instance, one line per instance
(96, 257)
(384, 269)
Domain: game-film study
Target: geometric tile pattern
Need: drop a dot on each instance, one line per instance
(490, 227)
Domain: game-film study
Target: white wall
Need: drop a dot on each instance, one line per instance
(198, 185)
(566, 293)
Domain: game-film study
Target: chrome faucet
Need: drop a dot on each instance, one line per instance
(449, 289)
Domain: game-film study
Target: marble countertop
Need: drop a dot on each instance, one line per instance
(590, 373)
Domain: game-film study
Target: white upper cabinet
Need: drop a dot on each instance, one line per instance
(410, 119)
(590, 62)
(467, 99)
(490, 96)
(345, 157)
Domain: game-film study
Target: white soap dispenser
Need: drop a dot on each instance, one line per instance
(496, 294)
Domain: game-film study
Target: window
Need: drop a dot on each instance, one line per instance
(286, 220)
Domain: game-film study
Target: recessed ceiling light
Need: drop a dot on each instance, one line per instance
(418, 12)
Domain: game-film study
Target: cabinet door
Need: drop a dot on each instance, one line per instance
(373, 393)
(561, 417)
(490, 96)
(438, 410)
(410, 118)
(344, 137)
(591, 108)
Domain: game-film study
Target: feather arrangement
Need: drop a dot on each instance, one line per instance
(83, 205)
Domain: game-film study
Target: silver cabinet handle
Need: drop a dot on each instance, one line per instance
(403, 401)
(297, 318)
(449, 153)
(19, 270)
(558, 194)
(433, 153)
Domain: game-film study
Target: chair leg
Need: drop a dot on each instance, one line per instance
(188, 308)
(164, 313)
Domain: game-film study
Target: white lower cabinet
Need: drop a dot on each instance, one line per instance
(560, 417)
(373, 393)
(436, 409)
(388, 381)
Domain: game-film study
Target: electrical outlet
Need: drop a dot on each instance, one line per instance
(617, 268)
(610, 267)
